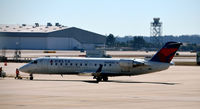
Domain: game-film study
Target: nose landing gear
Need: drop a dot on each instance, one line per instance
(31, 76)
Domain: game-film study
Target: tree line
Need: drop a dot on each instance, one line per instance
(151, 43)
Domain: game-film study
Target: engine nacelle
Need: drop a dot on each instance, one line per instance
(125, 63)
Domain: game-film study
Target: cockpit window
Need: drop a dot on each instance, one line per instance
(34, 62)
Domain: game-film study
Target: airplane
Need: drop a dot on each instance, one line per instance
(102, 68)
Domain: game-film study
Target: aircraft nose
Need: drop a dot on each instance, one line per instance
(24, 68)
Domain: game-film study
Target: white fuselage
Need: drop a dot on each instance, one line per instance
(111, 66)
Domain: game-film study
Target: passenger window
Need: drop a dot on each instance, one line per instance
(80, 64)
(95, 64)
(85, 64)
(110, 65)
(104, 64)
(65, 63)
(55, 63)
(61, 64)
(71, 64)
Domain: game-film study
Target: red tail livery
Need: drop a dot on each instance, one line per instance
(167, 52)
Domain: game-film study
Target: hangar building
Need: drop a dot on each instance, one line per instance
(48, 37)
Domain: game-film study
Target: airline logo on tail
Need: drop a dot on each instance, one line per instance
(167, 53)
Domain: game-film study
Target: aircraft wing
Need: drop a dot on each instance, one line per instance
(86, 73)
(93, 73)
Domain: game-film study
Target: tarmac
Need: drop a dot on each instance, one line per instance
(175, 88)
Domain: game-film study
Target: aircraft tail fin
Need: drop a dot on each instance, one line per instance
(166, 53)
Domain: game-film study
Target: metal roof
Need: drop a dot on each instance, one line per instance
(81, 35)
(30, 28)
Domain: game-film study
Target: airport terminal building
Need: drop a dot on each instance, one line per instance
(48, 37)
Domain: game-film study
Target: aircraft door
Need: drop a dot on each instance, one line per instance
(44, 65)
(52, 65)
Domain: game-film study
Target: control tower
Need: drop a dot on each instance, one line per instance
(156, 31)
(156, 27)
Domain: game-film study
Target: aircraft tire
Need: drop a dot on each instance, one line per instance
(98, 79)
(31, 78)
(105, 78)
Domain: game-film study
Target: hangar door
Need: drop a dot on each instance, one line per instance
(33, 43)
(9, 42)
(61, 43)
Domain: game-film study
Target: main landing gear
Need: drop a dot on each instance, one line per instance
(31, 76)
(100, 78)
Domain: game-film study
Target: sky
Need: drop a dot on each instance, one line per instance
(118, 17)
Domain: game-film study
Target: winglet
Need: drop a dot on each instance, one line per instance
(167, 53)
